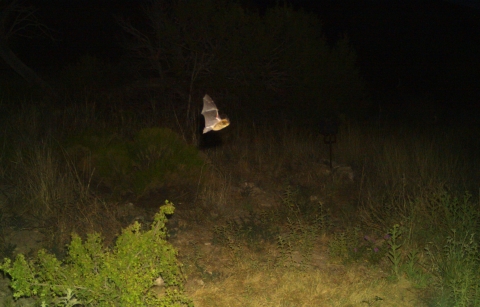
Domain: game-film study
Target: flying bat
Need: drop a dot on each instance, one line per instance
(213, 121)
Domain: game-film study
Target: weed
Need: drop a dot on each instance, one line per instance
(197, 260)
(322, 219)
(459, 213)
(53, 193)
(345, 245)
(154, 157)
(290, 199)
(338, 246)
(457, 267)
(394, 254)
(372, 249)
(228, 237)
(413, 271)
(254, 230)
(287, 251)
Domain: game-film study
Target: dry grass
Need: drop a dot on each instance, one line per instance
(214, 189)
(275, 156)
(251, 284)
(51, 194)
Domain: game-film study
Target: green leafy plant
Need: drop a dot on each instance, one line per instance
(345, 245)
(457, 267)
(93, 275)
(413, 270)
(394, 254)
(338, 246)
(287, 251)
(459, 213)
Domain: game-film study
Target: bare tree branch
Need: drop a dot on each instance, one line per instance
(20, 20)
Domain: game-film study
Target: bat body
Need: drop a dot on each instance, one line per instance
(212, 119)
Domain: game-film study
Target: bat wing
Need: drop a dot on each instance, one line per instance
(208, 104)
(212, 119)
(210, 112)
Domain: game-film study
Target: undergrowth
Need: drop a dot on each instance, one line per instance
(93, 275)
(50, 192)
(152, 158)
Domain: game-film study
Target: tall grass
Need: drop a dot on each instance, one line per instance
(45, 188)
(398, 169)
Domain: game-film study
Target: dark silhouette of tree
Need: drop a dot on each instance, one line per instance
(264, 63)
(17, 19)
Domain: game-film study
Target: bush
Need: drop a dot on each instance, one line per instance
(92, 275)
(155, 157)
(159, 155)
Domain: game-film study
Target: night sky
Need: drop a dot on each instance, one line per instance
(427, 47)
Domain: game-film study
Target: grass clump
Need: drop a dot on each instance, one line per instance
(50, 193)
(451, 265)
(456, 269)
(92, 275)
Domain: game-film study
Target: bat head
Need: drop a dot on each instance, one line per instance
(218, 125)
(221, 124)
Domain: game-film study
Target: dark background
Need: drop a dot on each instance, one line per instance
(405, 48)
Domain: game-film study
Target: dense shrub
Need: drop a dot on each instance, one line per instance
(93, 275)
